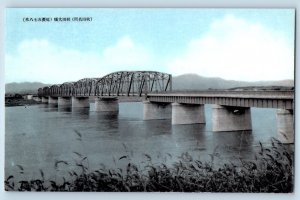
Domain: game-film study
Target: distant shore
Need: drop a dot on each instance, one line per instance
(19, 102)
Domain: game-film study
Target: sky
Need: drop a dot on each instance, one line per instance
(233, 44)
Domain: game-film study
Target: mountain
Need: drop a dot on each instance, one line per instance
(24, 87)
(182, 82)
(196, 82)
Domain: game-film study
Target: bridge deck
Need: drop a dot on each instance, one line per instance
(261, 99)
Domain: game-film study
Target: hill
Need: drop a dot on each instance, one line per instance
(182, 82)
(196, 82)
(24, 87)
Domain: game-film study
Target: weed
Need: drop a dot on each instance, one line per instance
(271, 170)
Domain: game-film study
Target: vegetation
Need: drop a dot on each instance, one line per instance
(271, 170)
(20, 102)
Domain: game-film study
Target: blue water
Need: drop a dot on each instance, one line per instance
(39, 135)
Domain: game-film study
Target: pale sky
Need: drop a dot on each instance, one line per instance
(233, 44)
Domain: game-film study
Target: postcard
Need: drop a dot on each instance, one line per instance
(149, 100)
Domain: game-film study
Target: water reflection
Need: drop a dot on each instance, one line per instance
(106, 121)
(184, 134)
(190, 138)
(49, 107)
(157, 127)
(82, 113)
(52, 107)
(64, 109)
(43, 106)
(233, 144)
(106, 116)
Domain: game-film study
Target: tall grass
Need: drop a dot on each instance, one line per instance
(271, 170)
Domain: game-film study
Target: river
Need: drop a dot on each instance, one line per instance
(39, 135)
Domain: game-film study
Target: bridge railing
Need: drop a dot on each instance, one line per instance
(260, 99)
(269, 94)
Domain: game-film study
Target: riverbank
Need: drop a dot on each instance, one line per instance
(272, 170)
(20, 102)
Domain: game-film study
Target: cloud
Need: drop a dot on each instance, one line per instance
(126, 53)
(41, 60)
(236, 49)
(232, 48)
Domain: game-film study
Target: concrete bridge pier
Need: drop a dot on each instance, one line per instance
(187, 113)
(44, 99)
(64, 102)
(230, 118)
(80, 102)
(52, 100)
(157, 110)
(106, 104)
(285, 126)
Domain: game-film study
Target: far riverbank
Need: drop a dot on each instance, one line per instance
(20, 102)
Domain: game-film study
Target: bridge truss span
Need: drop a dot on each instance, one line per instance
(122, 83)
(133, 83)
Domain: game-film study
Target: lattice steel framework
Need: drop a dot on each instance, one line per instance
(122, 83)
(67, 89)
(54, 90)
(43, 91)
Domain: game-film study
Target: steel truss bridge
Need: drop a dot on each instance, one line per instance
(122, 83)
(230, 110)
